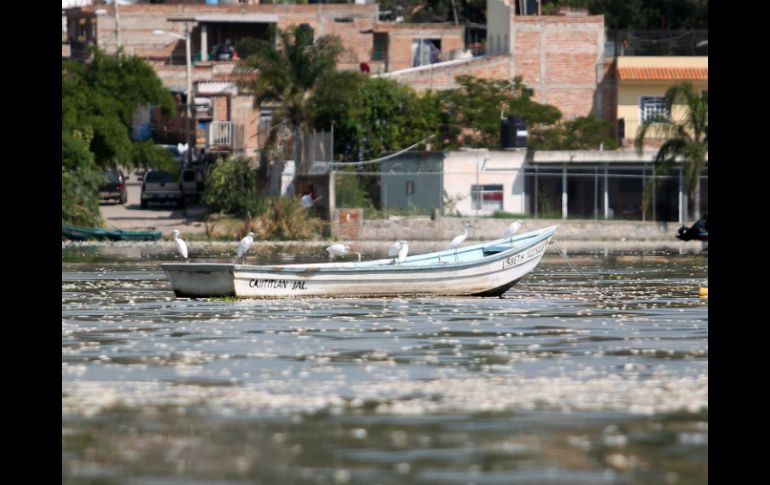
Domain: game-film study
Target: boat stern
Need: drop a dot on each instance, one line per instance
(196, 280)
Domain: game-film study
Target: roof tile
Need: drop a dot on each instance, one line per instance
(663, 73)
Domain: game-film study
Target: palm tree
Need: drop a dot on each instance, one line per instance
(686, 138)
(285, 73)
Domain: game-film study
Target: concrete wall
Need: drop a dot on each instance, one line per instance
(464, 169)
(444, 229)
(403, 173)
(499, 15)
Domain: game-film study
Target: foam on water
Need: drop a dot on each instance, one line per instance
(554, 345)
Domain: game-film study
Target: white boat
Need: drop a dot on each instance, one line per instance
(487, 269)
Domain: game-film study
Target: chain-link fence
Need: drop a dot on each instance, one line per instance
(599, 192)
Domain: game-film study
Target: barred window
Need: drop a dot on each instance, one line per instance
(265, 118)
(654, 108)
(487, 197)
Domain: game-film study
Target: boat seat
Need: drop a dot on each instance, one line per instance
(490, 250)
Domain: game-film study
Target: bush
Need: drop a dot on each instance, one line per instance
(349, 192)
(80, 180)
(232, 188)
(282, 218)
(80, 203)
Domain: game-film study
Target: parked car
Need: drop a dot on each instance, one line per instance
(190, 185)
(113, 187)
(161, 186)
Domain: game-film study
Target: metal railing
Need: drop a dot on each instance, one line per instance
(656, 43)
(220, 134)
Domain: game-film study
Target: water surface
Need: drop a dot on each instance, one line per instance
(560, 381)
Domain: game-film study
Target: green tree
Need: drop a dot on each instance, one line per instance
(686, 138)
(371, 116)
(103, 95)
(581, 133)
(99, 99)
(650, 14)
(474, 109)
(286, 73)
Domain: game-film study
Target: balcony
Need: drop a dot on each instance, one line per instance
(224, 136)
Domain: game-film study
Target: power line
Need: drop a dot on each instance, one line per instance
(378, 160)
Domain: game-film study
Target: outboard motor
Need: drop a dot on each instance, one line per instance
(698, 231)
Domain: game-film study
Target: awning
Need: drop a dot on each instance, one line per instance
(215, 87)
(249, 18)
(663, 73)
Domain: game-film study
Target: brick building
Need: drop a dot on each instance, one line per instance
(559, 57)
(225, 120)
(562, 58)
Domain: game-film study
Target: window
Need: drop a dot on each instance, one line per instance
(265, 118)
(654, 108)
(425, 51)
(487, 197)
(380, 47)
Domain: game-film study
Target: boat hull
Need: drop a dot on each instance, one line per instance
(421, 275)
(76, 233)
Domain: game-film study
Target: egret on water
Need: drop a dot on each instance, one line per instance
(244, 245)
(181, 246)
(399, 250)
(459, 240)
(340, 250)
(513, 229)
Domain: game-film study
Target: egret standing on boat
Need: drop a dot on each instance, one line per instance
(399, 250)
(181, 246)
(244, 245)
(340, 250)
(459, 240)
(513, 229)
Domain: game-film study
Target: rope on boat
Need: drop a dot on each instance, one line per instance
(564, 255)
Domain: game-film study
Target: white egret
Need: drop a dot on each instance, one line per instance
(455, 243)
(181, 246)
(340, 250)
(399, 250)
(244, 245)
(513, 229)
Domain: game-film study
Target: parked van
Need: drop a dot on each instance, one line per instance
(161, 186)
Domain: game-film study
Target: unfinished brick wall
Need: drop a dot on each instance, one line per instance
(137, 23)
(560, 58)
(401, 36)
(221, 108)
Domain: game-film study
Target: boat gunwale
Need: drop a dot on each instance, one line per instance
(385, 266)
